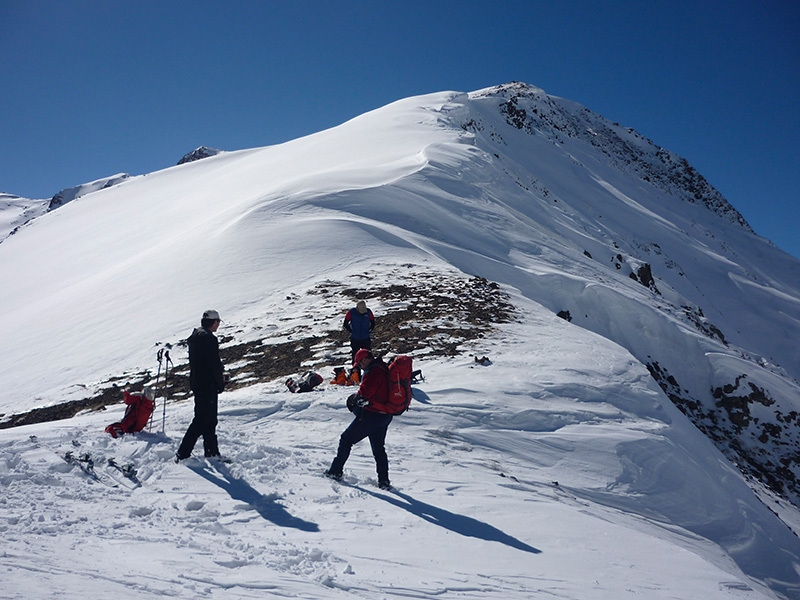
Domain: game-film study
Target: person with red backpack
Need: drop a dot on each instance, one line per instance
(372, 418)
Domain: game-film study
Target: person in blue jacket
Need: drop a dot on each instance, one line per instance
(360, 322)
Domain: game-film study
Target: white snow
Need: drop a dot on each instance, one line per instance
(16, 211)
(560, 469)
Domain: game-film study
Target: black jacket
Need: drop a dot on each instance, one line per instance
(206, 372)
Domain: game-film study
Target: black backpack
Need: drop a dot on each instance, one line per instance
(305, 383)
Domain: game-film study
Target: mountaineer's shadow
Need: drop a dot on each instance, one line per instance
(466, 526)
(419, 396)
(239, 489)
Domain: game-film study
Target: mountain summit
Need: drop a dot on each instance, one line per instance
(198, 154)
(531, 110)
(429, 208)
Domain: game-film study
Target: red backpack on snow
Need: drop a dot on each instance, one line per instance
(140, 407)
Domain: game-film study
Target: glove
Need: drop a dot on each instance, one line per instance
(226, 379)
(355, 402)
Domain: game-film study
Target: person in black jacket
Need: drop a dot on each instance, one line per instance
(207, 380)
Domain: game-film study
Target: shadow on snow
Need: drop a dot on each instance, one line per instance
(466, 526)
(239, 489)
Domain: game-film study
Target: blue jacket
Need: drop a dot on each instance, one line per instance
(359, 325)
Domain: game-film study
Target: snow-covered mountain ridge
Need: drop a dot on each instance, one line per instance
(16, 212)
(570, 214)
(532, 110)
(732, 406)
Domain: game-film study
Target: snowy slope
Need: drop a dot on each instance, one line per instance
(643, 504)
(73, 193)
(568, 213)
(15, 211)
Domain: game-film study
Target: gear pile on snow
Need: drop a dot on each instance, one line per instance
(344, 376)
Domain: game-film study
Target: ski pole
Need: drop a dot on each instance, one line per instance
(166, 377)
(159, 356)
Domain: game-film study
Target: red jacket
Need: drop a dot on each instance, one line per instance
(375, 386)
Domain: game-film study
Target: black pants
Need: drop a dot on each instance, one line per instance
(204, 424)
(356, 345)
(366, 424)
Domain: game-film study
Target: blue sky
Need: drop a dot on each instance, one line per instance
(93, 88)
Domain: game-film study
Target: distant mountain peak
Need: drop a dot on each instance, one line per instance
(198, 154)
(511, 89)
(69, 194)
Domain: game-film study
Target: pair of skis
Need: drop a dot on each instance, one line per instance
(85, 462)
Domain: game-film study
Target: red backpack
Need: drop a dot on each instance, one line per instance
(399, 385)
(140, 407)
